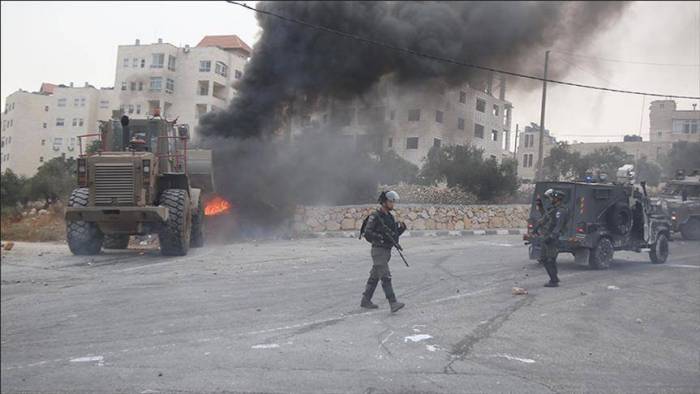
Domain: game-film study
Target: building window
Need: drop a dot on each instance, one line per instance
(460, 123)
(132, 86)
(221, 69)
(480, 105)
(238, 74)
(157, 60)
(82, 101)
(205, 66)
(496, 110)
(390, 143)
(75, 122)
(169, 85)
(126, 62)
(80, 122)
(140, 86)
(124, 85)
(171, 63)
(143, 63)
(60, 122)
(687, 126)
(61, 102)
(76, 102)
(104, 104)
(524, 161)
(437, 142)
(463, 97)
(438, 116)
(44, 125)
(203, 88)
(138, 109)
(41, 159)
(43, 142)
(392, 114)
(478, 131)
(156, 84)
(494, 135)
(131, 108)
(412, 143)
(46, 108)
(134, 62)
(413, 115)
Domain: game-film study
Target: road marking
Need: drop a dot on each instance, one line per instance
(416, 338)
(265, 346)
(680, 265)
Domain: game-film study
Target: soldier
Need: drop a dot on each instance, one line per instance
(378, 230)
(553, 225)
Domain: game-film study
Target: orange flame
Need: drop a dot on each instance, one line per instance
(217, 206)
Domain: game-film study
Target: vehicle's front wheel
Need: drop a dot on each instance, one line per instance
(691, 230)
(116, 241)
(84, 238)
(174, 235)
(659, 250)
(601, 256)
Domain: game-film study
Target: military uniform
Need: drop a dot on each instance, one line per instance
(376, 233)
(551, 228)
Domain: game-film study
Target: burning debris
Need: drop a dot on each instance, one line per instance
(217, 206)
(293, 65)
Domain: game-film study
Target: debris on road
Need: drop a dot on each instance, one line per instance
(519, 291)
(417, 338)
(8, 245)
(611, 287)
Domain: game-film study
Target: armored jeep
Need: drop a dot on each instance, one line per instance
(135, 180)
(603, 218)
(682, 196)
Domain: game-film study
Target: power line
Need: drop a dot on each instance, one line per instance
(447, 60)
(624, 61)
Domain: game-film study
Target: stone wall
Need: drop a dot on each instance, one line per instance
(416, 216)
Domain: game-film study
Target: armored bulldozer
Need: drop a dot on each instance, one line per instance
(137, 177)
(682, 196)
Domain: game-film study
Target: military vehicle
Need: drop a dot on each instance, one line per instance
(137, 179)
(682, 195)
(603, 218)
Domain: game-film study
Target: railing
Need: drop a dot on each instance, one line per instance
(180, 158)
(80, 142)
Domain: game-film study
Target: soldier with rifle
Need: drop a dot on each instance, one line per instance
(382, 231)
(550, 227)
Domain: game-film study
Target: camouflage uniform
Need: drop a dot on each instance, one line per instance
(552, 226)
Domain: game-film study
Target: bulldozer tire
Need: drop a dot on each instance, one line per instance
(116, 241)
(601, 255)
(197, 237)
(84, 238)
(691, 230)
(658, 253)
(174, 235)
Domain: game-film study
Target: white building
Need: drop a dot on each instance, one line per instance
(528, 150)
(669, 124)
(38, 126)
(181, 83)
(412, 119)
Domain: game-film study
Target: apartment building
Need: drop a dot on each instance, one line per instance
(179, 82)
(669, 124)
(528, 150)
(38, 126)
(411, 119)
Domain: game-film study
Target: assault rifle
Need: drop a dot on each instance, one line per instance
(390, 234)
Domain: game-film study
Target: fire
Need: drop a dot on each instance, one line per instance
(217, 206)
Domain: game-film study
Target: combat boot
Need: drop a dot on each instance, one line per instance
(552, 283)
(367, 295)
(395, 306)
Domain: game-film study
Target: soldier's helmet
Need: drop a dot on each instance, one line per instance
(552, 194)
(389, 196)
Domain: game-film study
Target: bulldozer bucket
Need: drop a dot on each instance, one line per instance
(200, 169)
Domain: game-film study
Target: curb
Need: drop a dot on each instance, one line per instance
(419, 233)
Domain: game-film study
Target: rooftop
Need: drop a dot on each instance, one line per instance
(225, 42)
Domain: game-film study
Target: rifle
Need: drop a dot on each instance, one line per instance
(393, 241)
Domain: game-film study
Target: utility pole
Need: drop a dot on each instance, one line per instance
(515, 151)
(540, 150)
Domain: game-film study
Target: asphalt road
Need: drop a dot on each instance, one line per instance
(284, 316)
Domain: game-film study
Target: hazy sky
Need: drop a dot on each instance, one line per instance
(62, 42)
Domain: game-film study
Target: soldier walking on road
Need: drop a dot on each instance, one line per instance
(551, 228)
(379, 230)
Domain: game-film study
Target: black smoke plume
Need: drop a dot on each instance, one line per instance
(291, 62)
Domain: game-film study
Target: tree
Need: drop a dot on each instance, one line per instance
(564, 164)
(463, 166)
(11, 189)
(55, 179)
(608, 159)
(648, 171)
(394, 169)
(683, 155)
